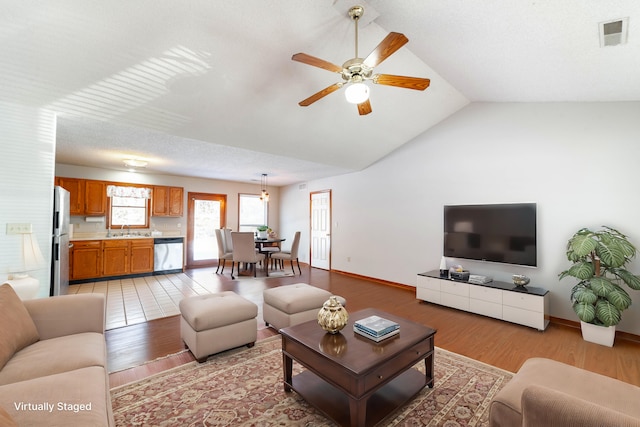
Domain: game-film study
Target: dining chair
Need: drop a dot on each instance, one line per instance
(291, 254)
(244, 250)
(270, 250)
(223, 253)
(228, 243)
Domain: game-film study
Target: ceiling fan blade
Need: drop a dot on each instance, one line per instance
(364, 108)
(316, 96)
(385, 49)
(415, 83)
(316, 62)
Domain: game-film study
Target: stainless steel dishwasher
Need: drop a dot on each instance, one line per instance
(168, 254)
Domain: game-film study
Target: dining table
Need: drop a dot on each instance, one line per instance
(271, 242)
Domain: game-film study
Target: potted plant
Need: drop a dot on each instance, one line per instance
(599, 263)
(262, 231)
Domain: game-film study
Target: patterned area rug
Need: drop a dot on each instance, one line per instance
(243, 387)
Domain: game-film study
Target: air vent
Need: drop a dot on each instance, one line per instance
(613, 33)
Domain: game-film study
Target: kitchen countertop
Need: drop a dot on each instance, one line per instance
(103, 236)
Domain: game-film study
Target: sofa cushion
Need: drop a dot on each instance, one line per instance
(54, 356)
(18, 329)
(76, 398)
(546, 407)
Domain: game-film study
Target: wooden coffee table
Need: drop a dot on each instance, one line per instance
(352, 379)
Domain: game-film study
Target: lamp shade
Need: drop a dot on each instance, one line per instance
(32, 258)
(357, 93)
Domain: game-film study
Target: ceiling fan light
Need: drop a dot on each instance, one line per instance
(357, 93)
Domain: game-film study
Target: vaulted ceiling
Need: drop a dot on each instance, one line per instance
(207, 88)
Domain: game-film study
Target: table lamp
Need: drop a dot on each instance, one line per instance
(27, 287)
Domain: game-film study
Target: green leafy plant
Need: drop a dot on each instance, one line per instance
(263, 227)
(599, 259)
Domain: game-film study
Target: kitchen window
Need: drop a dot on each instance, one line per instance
(128, 206)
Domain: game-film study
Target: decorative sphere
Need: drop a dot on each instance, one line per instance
(520, 280)
(332, 317)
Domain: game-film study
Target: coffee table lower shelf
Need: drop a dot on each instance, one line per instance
(334, 403)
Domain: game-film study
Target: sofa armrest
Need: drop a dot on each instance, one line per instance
(546, 407)
(67, 314)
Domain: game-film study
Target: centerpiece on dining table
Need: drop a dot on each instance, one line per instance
(263, 231)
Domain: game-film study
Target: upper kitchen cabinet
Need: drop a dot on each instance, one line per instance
(95, 198)
(167, 201)
(75, 187)
(86, 197)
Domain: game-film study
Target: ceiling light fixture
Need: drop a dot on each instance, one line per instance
(357, 93)
(264, 194)
(135, 163)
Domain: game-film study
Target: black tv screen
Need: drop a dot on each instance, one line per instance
(503, 233)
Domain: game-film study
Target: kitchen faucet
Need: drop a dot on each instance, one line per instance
(122, 228)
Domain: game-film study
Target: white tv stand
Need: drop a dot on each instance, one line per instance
(528, 306)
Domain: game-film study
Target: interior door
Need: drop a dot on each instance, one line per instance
(321, 229)
(206, 212)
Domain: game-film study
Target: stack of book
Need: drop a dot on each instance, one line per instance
(376, 328)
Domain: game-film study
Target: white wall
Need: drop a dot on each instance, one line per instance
(27, 150)
(577, 161)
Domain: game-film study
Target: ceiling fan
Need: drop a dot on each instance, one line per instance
(357, 70)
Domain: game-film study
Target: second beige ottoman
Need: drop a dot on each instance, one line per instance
(216, 322)
(292, 304)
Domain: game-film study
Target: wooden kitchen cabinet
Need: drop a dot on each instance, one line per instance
(93, 259)
(167, 201)
(85, 259)
(115, 257)
(76, 190)
(95, 198)
(122, 257)
(86, 196)
(141, 255)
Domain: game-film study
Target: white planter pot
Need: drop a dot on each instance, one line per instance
(598, 334)
(262, 235)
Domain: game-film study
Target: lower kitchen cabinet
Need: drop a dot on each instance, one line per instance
(115, 257)
(141, 256)
(85, 258)
(95, 259)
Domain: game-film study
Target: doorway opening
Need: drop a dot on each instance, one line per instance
(206, 213)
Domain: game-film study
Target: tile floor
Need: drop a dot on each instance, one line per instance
(137, 300)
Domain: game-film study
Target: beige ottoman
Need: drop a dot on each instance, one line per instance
(292, 304)
(216, 322)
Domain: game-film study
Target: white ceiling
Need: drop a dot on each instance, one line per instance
(207, 88)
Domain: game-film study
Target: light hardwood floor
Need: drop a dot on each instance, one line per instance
(491, 341)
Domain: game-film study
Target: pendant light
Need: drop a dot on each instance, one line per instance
(264, 194)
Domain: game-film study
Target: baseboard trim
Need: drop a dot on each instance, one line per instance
(373, 279)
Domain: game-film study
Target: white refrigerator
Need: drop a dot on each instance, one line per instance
(60, 243)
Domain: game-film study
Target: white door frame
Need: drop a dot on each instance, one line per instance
(320, 239)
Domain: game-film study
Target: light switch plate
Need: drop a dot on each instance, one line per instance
(19, 228)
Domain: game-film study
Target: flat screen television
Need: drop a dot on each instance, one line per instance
(504, 233)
